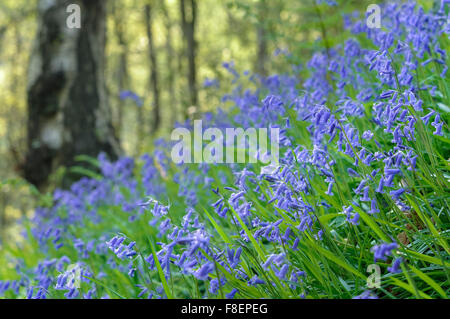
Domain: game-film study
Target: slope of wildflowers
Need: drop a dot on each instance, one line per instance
(363, 180)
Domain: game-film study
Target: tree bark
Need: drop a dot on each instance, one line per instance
(2, 34)
(261, 33)
(170, 56)
(154, 81)
(122, 66)
(68, 111)
(188, 23)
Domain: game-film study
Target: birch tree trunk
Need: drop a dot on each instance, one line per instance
(68, 111)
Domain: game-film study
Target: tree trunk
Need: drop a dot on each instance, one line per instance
(261, 33)
(122, 66)
(170, 56)
(153, 70)
(68, 112)
(188, 22)
(2, 34)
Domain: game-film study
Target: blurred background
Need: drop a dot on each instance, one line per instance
(133, 69)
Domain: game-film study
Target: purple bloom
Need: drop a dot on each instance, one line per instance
(380, 186)
(131, 95)
(373, 207)
(203, 272)
(395, 194)
(367, 135)
(255, 281)
(232, 293)
(366, 295)
(380, 252)
(121, 250)
(329, 190)
(395, 267)
(283, 271)
(352, 172)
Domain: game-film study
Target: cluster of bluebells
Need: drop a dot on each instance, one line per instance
(189, 245)
(120, 250)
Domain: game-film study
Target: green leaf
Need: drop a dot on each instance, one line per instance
(219, 229)
(343, 263)
(261, 254)
(373, 225)
(408, 287)
(85, 172)
(429, 281)
(160, 272)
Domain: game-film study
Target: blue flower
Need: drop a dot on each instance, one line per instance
(395, 194)
(121, 250)
(203, 272)
(131, 95)
(395, 267)
(380, 252)
(366, 295)
(232, 293)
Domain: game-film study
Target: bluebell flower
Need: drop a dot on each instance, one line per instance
(203, 272)
(232, 293)
(89, 294)
(72, 293)
(295, 244)
(211, 83)
(121, 250)
(352, 217)
(367, 135)
(395, 194)
(352, 172)
(234, 257)
(283, 271)
(395, 267)
(329, 190)
(383, 250)
(373, 207)
(296, 277)
(360, 187)
(365, 197)
(131, 95)
(366, 295)
(255, 280)
(380, 186)
(214, 286)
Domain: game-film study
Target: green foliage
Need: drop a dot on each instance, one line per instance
(336, 266)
